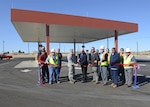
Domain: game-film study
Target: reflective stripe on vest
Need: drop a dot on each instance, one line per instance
(52, 60)
(127, 60)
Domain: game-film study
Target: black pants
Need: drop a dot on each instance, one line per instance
(45, 74)
(109, 74)
(121, 74)
(84, 72)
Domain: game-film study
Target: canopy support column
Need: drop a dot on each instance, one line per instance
(74, 46)
(38, 45)
(116, 40)
(47, 38)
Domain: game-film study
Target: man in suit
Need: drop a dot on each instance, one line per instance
(113, 64)
(59, 54)
(83, 62)
(94, 65)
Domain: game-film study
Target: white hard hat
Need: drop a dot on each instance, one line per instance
(102, 47)
(128, 50)
(52, 50)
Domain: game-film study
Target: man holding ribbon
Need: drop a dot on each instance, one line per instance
(52, 61)
(129, 62)
(83, 62)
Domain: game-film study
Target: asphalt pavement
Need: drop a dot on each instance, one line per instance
(19, 89)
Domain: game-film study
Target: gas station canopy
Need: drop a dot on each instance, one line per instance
(31, 26)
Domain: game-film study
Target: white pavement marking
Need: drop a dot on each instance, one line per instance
(140, 75)
(26, 70)
(32, 64)
(142, 65)
(27, 64)
(147, 76)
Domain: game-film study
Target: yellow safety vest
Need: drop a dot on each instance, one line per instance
(127, 60)
(104, 63)
(51, 60)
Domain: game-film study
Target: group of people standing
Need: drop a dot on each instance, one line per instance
(106, 66)
(114, 66)
(49, 66)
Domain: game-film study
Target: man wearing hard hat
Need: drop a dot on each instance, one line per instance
(52, 60)
(129, 62)
(103, 65)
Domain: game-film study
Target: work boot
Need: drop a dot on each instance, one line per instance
(96, 82)
(112, 84)
(72, 81)
(83, 81)
(50, 83)
(58, 82)
(115, 86)
(93, 80)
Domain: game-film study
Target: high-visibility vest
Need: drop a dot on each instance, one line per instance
(127, 60)
(104, 63)
(51, 60)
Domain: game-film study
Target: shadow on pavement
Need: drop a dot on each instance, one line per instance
(77, 77)
(142, 60)
(142, 80)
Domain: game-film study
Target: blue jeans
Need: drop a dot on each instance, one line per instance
(59, 70)
(53, 70)
(39, 72)
(58, 73)
(114, 76)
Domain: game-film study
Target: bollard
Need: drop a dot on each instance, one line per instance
(135, 78)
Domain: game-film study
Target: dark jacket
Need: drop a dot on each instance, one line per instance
(83, 59)
(114, 60)
(105, 57)
(59, 58)
(74, 58)
(42, 58)
(94, 57)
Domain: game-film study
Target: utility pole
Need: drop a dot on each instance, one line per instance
(28, 48)
(3, 45)
(107, 42)
(137, 48)
(59, 46)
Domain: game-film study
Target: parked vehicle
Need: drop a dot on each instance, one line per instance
(5, 56)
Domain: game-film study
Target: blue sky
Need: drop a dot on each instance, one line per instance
(136, 11)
